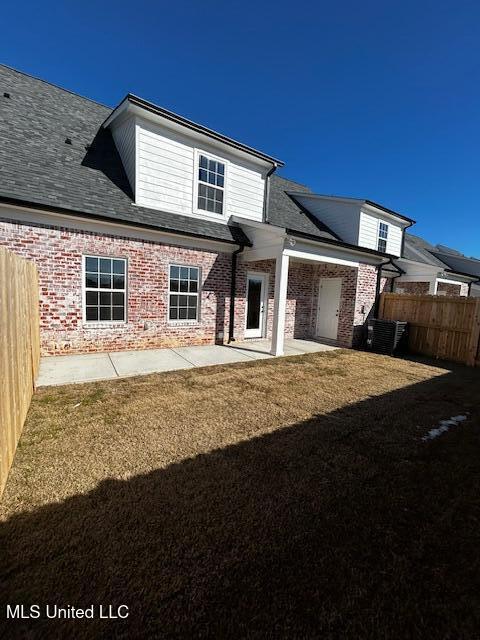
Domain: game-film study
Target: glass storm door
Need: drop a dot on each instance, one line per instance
(256, 305)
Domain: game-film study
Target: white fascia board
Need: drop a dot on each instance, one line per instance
(262, 226)
(447, 281)
(24, 215)
(444, 276)
(357, 256)
(380, 213)
(202, 138)
(303, 251)
(123, 107)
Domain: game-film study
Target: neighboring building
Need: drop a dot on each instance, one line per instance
(143, 224)
(435, 270)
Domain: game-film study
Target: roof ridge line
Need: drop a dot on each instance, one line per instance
(52, 84)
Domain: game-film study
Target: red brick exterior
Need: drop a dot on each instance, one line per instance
(365, 299)
(452, 290)
(423, 288)
(302, 298)
(413, 288)
(58, 254)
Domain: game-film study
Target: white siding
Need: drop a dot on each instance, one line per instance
(166, 173)
(245, 192)
(342, 217)
(394, 242)
(368, 233)
(124, 138)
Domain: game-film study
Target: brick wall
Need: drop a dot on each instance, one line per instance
(365, 299)
(452, 290)
(300, 291)
(58, 255)
(413, 288)
(302, 298)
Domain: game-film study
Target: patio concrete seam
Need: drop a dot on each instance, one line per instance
(114, 367)
(186, 359)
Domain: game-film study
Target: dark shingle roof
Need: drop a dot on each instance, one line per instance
(419, 250)
(284, 211)
(37, 167)
(459, 263)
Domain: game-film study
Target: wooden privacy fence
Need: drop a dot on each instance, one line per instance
(439, 326)
(19, 350)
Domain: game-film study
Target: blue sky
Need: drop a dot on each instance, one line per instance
(370, 99)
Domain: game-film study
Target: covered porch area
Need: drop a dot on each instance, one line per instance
(295, 289)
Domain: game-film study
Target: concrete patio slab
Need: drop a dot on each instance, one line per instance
(308, 346)
(55, 370)
(77, 368)
(257, 353)
(131, 363)
(210, 355)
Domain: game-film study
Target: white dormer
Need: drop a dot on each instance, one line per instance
(175, 165)
(360, 222)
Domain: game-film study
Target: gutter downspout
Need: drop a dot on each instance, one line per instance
(470, 284)
(379, 280)
(233, 287)
(410, 224)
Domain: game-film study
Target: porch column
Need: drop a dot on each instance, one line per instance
(280, 304)
(433, 286)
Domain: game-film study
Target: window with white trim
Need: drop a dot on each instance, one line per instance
(211, 184)
(105, 289)
(382, 237)
(183, 292)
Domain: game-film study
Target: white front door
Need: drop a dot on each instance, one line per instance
(255, 312)
(328, 308)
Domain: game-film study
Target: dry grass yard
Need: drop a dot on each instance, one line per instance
(289, 498)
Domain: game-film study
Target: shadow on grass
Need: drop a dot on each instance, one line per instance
(344, 526)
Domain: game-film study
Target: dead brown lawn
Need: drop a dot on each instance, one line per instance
(283, 498)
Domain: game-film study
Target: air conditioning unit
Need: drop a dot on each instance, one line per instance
(387, 336)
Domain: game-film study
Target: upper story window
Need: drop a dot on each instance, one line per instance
(104, 289)
(211, 185)
(382, 237)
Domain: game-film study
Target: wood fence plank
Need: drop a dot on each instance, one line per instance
(19, 350)
(441, 327)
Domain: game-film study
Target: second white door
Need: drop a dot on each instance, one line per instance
(328, 309)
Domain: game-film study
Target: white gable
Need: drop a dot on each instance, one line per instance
(162, 167)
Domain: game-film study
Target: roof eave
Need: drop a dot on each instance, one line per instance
(359, 201)
(340, 243)
(462, 275)
(140, 225)
(131, 99)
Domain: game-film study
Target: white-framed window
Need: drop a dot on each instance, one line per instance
(183, 293)
(210, 184)
(104, 289)
(382, 237)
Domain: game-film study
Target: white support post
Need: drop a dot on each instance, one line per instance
(433, 286)
(280, 304)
